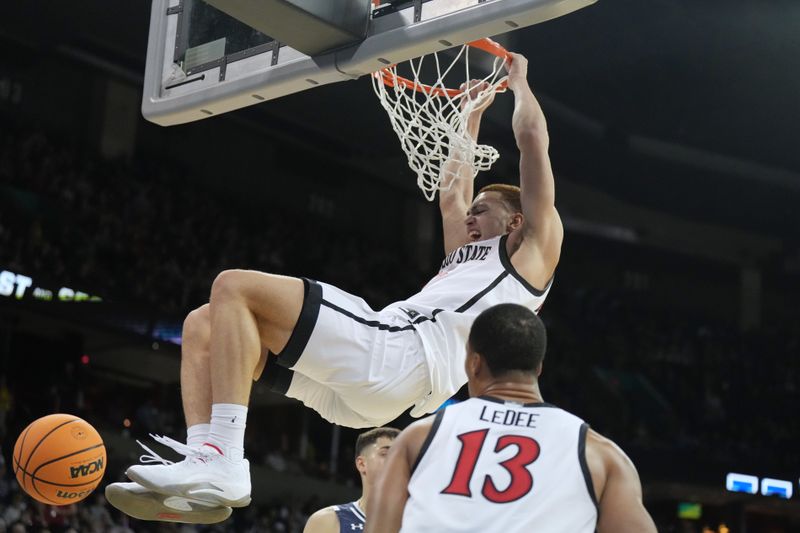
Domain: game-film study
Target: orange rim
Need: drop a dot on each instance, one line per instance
(487, 45)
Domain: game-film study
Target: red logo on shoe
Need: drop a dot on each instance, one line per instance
(216, 448)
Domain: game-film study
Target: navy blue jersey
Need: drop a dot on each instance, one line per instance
(351, 517)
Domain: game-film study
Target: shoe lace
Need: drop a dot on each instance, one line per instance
(181, 448)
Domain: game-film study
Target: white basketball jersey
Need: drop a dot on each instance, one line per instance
(471, 279)
(490, 465)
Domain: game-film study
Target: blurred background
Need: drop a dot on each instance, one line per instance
(673, 317)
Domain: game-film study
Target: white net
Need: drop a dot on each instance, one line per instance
(431, 121)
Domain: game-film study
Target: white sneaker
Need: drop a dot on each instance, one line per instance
(137, 501)
(204, 475)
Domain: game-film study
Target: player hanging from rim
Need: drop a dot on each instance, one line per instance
(357, 367)
(372, 447)
(504, 460)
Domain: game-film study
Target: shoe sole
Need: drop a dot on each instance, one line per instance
(149, 506)
(193, 491)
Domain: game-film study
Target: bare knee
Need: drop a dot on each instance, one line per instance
(275, 301)
(229, 284)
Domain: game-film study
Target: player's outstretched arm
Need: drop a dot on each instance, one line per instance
(618, 488)
(388, 501)
(323, 521)
(542, 225)
(457, 175)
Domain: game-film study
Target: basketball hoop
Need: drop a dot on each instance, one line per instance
(431, 119)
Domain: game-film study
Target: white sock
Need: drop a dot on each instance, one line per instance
(197, 434)
(227, 430)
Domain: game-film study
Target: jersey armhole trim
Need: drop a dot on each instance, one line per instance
(336, 510)
(587, 475)
(425, 445)
(505, 260)
(472, 301)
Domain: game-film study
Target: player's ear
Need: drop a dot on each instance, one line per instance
(476, 363)
(517, 219)
(361, 465)
(468, 360)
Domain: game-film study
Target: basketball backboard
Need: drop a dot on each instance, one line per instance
(202, 62)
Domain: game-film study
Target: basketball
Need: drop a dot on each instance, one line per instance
(59, 459)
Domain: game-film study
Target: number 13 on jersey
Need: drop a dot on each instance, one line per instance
(517, 466)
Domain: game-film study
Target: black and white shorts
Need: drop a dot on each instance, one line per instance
(356, 367)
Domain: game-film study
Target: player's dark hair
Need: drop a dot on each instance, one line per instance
(510, 337)
(509, 193)
(371, 437)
